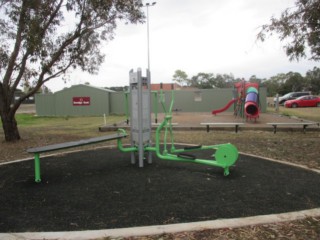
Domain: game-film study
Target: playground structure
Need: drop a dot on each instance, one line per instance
(224, 155)
(245, 101)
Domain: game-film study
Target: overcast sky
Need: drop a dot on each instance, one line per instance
(211, 36)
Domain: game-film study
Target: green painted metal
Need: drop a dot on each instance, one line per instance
(37, 171)
(120, 145)
(38, 150)
(225, 155)
(155, 105)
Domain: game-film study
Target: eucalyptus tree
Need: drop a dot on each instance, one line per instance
(181, 77)
(313, 80)
(42, 40)
(299, 27)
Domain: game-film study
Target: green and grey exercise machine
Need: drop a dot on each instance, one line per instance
(223, 156)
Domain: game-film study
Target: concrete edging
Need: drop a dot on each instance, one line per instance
(161, 229)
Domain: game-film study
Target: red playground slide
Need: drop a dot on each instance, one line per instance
(225, 107)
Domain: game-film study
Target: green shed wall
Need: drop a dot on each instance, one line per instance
(99, 101)
(61, 103)
(206, 100)
(45, 104)
(117, 103)
(104, 102)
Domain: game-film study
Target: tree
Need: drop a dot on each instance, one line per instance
(294, 83)
(43, 40)
(180, 77)
(313, 80)
(274, 84)
(203, 80)
(225, 80)
(209, 80)
(300, 26)
(255, 79)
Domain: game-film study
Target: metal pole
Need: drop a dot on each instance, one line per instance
(148, 38)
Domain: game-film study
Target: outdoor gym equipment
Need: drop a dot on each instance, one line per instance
(49, 148)
(224, 156)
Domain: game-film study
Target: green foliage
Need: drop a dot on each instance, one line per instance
(281, 83)
(44, 40)
(299, 26)
(203, 80)
(273, 84)
(313, 80)
(294, 83)
(181, 78)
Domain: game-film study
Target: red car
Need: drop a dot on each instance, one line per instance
(304, 101)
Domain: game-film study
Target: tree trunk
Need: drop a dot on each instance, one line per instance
(10, 127)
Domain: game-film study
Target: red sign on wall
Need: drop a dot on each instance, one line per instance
(81, 101)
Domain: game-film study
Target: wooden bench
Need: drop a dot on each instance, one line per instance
(236, 125)
(303, 124)
(37, 150)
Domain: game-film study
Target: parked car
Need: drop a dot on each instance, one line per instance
(291, 95)
(304, 101)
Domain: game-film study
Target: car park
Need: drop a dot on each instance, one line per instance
(304, 101)
(290, 96)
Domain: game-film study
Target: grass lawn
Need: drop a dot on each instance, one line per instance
(312, 114)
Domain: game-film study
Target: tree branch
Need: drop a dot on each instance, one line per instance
(15, 53)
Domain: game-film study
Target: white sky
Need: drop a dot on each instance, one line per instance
(211, 36)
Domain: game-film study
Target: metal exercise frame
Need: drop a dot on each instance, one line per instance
(224, 156)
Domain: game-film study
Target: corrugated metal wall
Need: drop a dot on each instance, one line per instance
(205, 100)
(117, 103)
(45, 104)
(202, 100)
(104, 102)
(61, 103)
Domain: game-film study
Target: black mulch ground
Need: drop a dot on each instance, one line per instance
(101, 190)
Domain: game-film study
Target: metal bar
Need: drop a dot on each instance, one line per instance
(140, 119)
(37, 171)
(155, 104)
(149, 114)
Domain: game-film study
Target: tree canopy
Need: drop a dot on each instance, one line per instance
(180, 77)
(281, 83)
(42, 40)
(300, 27)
